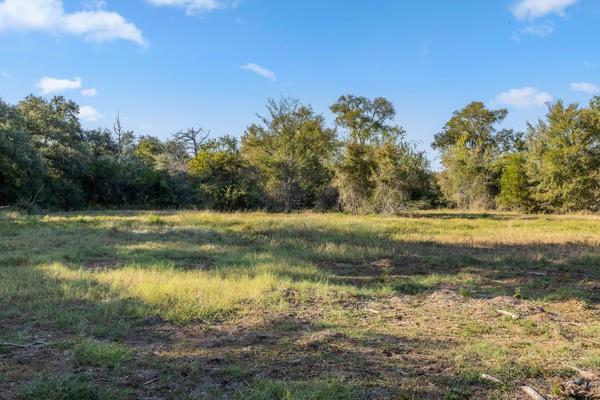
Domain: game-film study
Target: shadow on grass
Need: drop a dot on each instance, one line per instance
(283, 353)
(363, 258)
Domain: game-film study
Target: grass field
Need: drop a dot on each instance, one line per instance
(137, 305)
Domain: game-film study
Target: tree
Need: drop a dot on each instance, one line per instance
(124, 139)
(470, 145)
(563, 158)
(222, 178)
(148, 149)
(192, 139)
(20, 166)
(378, 171)
(53, 128)
(291, 148)
(366, 121)
(514, 186)
(403, 178)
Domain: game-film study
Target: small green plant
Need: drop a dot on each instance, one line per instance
(154, 220)
(385, 276)
(518, 294)
(98, 354)
(465, 292)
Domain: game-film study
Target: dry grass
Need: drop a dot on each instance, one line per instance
(307, 306)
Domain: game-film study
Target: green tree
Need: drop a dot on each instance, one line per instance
(53, 128)
(148, 149)
(563, 158)
(223, 180)
(514, 186)
(471, 145)
(403, 178)
(20, 166)
(378, 170)
(292, 149)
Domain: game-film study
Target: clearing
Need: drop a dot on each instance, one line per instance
(199, 305)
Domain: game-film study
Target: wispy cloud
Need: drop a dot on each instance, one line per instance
(192, 7)
(4, 74)
(50, 16)
(542, 30)
(538, 30)
(49, 85)
(585, 87)
(264, 72)
(89, 92)
(532, 9)
(526, 97)
(89, 114)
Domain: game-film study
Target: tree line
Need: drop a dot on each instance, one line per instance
(290, 159)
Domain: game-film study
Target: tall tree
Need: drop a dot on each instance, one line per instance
(378, 171)
(563, 158)
(470, 145)
(291, 147)
(124, 139)
(20, 166)
(54, 129)
(192, 139)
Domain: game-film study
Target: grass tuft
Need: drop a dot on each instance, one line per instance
(93, 353)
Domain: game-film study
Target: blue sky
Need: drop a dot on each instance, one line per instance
(170, 64)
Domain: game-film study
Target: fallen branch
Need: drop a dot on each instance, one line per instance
(532, 393)
(372, 311)
(584, 374)
(591, 341)
(150, 381)
(490, 378)
(537, 273)
(14, 345)
(508, 314)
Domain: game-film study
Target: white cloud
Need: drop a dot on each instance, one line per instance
(265, 73)
(89, 92)
(585, 87)
(538, 30)
(51, 85)
(531, 9)
(50, 16)
(194, 6)
(4, 74)
(89, 114)
(526, 97)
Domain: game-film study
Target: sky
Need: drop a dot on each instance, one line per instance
(167, 65)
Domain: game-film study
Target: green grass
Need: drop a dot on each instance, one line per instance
(67, 387)
(303, 306)
(269, 390)
(99, 354)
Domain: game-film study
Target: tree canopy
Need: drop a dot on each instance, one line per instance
(291, 159)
